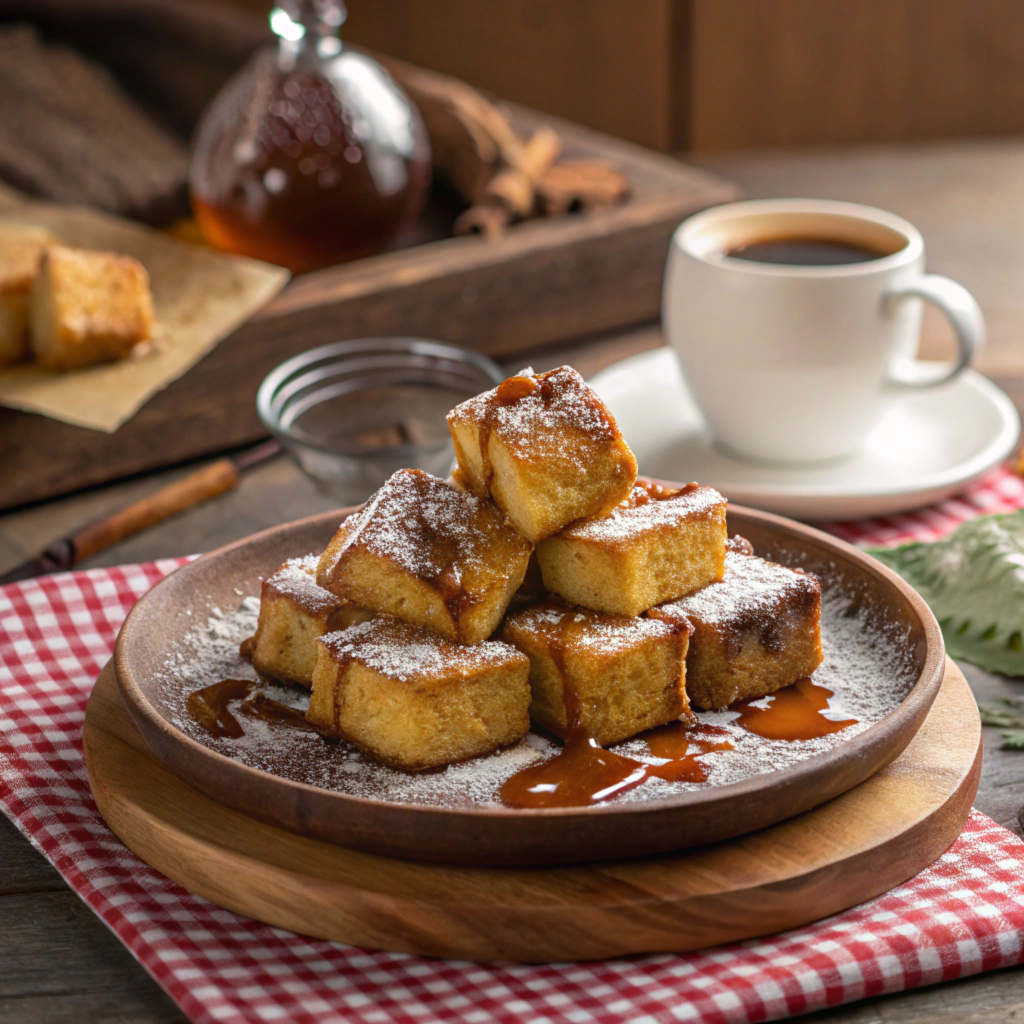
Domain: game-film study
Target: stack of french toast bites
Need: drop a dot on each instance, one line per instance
(544, 584)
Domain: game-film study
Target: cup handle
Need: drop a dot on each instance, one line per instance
(963, 314)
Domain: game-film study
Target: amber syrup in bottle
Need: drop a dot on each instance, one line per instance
(310, 155)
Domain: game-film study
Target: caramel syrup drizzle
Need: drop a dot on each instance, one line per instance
(508, 392)
(646, 491)
(674, 742)
(209, 708)
(796, 712)
(584, 773)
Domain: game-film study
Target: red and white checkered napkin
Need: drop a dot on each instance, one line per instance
(962, 915)
(1000, 491)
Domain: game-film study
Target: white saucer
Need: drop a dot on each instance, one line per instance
(929, 446)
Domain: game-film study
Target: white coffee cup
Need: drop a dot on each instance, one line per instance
(792, 363)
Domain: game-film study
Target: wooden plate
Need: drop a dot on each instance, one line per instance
(488, 834)
(849, 850)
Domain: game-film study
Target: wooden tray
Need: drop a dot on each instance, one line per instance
(547, 281)
(857, 846)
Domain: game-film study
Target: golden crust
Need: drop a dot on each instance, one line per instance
(652, 548)
(88, 307)
(294, 614)
(414, 700)
(431, 554)
(418, 685)
(607, 677)
(21, 250)
(545, 448)
(755, 631)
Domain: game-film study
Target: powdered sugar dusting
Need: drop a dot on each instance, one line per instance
(632, 518)
(595, 632)
(565, 406)
(430, 529)
(751, 587)
(296, 580)
(406, 652)
(867, 664)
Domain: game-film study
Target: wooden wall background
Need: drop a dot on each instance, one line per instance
(784, 72)
(714, 75)
(606, 63)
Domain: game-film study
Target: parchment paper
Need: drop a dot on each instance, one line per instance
(199, 297)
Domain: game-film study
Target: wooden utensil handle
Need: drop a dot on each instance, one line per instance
(206, 483)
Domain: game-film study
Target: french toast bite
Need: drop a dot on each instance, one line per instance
(431, 554)
(602, 676)
(415, 700)
(756, 630)
(294, 614)
(21, 250)
(88, 307)
(545, 448)
(655, 546)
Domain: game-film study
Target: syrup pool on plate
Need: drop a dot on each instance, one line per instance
(210, 708)
(867, 680)
(584, 774)
(797, 712)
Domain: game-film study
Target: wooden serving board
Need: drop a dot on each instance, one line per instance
(547, 281)
(855, 847)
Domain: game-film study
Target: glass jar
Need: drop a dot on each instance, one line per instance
(310, 155)
(354, 412)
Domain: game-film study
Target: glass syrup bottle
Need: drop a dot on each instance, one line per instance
(310, 155)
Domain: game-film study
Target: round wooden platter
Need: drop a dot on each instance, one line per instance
(858, 845)
(476, 834)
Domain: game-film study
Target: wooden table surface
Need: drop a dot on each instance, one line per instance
(59, 963)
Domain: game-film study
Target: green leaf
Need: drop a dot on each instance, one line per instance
(973, 580)
(1004, 713)
(1013, 740)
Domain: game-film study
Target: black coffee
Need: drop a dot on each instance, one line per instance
(804, 252)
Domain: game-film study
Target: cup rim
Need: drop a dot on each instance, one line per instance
(693, 227)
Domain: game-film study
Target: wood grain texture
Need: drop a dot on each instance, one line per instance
(117, 988)
(31, 972)
(858, 845)
(993, 998)
(604, 63)
(275, 492)
(546, 281)
(791, 72)
(709, 75)
(967, 197)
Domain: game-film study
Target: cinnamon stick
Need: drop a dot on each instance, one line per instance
(581, 185)
(511, 193)
(205, 483)
(469, 136)
(514, 187)
(502, 178)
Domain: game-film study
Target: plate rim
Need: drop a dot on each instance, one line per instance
(897, 721)
(960, 474)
